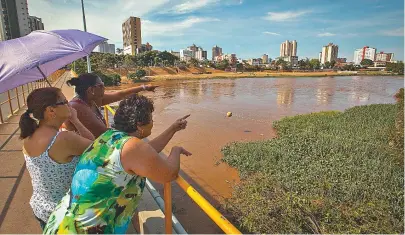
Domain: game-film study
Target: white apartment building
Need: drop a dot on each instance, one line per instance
(186, 55)
(288, 48)
(364, 53)
(106, 48)
(329, 53)
(200, 54)
(384, 56)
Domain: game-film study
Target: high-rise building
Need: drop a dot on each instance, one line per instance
(13, 19)
(320, 56)
(35, 23)
(329, 53)
(200, 54)
(364, 53)
(216, 51)
(186, 55)
(194, 49)
(106, 48)
(288, 48)
(131, 32)
(144, 48)
(384, 56)
(265, 59)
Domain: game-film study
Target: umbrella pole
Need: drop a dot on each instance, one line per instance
(44, 76)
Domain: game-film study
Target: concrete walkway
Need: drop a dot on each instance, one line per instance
(15, 183)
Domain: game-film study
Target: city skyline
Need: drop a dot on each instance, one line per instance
(173, 25)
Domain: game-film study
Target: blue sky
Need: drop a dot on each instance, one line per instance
(248, 28)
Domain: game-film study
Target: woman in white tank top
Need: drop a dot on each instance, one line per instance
(50, 155)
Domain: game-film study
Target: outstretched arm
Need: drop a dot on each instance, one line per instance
(115, 96)
(160, 142)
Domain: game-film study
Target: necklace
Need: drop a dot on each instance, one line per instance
(97, 113)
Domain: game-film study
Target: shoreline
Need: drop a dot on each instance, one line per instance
(229, 75)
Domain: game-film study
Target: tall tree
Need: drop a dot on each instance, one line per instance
(367, 62)
(314, 63)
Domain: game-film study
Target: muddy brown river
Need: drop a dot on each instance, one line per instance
(255, 104)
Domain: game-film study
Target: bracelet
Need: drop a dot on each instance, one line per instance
(144, 87)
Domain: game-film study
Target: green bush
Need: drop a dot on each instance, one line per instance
(136, 77)
(109, 79)
(328, 172)
(397, 68)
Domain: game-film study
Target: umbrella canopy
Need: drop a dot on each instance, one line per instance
(39, 54)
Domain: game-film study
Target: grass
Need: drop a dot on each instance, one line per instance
(327, 172)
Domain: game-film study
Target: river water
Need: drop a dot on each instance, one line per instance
(255, 104)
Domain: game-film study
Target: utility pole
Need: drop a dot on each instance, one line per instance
(85, 30)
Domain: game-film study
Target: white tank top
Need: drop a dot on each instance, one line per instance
(50, 181)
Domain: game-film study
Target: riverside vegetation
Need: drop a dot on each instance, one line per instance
(326, 172)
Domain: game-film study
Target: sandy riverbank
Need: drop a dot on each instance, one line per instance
(262, 74)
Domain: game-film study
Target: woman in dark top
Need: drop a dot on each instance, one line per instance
(90, 96)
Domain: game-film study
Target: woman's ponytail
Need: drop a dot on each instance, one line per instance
(27, 125)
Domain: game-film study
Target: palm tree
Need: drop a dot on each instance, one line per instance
(119, 50)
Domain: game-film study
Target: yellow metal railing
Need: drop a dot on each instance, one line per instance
(213, 213)
(20, 95)
(19, 92)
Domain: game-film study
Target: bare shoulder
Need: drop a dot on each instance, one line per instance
(77, 105)
(134, 144)
(67, 136)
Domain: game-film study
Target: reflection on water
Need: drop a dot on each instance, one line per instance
(325, 90)
(359, 94)
(285, 91)
(276, 97)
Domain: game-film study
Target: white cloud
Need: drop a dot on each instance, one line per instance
(326, 34)
(285, 16)
(172, 28)
(399, 32)
(105, 20)
(190, 6)
(272, 33)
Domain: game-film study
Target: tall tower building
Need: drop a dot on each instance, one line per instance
(131, 33)
(14, 22)
(329, 53)
(216, 51)
(288, 48)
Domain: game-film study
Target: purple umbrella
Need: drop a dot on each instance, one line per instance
(39, 54)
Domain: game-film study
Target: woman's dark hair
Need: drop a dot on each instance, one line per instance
(82, 83)
(37, 102)
(132, 111)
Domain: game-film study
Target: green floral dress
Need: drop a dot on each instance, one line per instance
(102, 197)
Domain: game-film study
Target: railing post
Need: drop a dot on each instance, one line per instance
(106, 116)
(9, 102)
(168, 207)
(18, 98)
(1, 115)
(24, 94)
